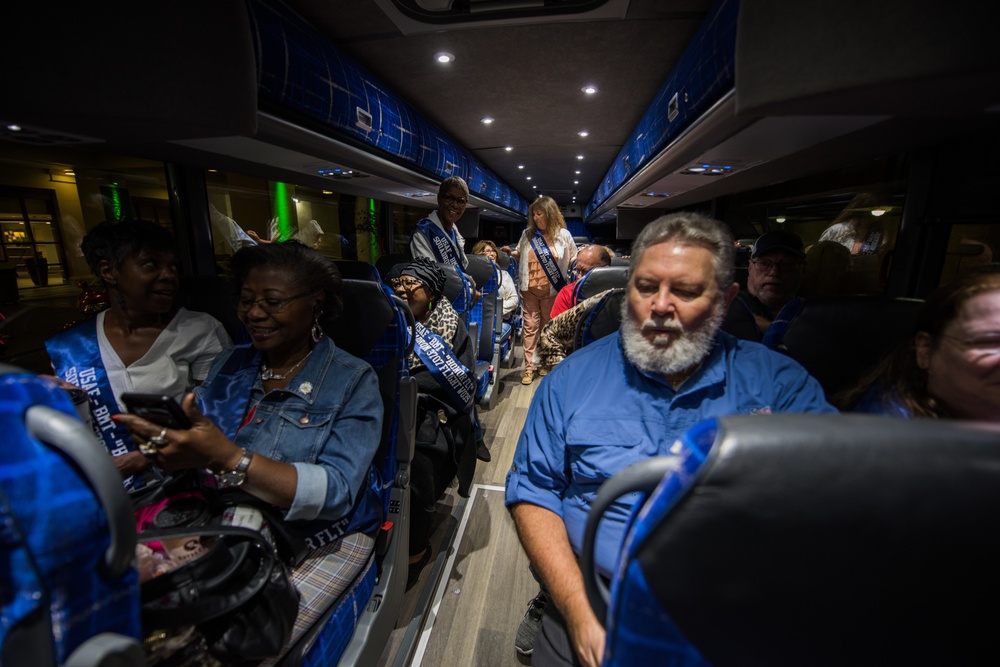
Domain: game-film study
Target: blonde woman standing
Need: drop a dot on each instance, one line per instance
(545, 252)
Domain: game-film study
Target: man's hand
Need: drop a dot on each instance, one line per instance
(587, 636)
(545, 541)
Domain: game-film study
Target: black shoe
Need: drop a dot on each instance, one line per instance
(482, 453)
(524, 642)
(414, 569)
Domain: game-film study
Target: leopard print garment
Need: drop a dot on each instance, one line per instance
(443, 320)
(555, 341)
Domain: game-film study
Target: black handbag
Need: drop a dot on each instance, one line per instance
(234, 589)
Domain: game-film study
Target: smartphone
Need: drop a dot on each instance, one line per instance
(157, 408)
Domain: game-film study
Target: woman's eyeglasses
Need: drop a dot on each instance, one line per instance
(268, 304)
(406, 282)
(452, 199)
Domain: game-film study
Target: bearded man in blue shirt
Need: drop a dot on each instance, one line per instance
(626, 398)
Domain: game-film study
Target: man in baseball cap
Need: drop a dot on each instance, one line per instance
(775, 273)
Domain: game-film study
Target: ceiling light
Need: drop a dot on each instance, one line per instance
(70, 172)
(486, 121)
(583, 133)
(579, 157)
(878, 212)
(590, 89)
(327, 192)
(509, 148)
(577, 172)
(444, 57)
(576, 182)
(529, 178)
(14, 128)
(779, 220)
(520, 166)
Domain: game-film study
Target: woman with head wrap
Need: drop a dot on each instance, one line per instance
(441, 362)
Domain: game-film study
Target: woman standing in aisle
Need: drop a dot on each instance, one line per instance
(545, 252)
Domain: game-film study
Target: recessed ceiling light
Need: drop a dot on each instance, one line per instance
(779, 220)
(579, 157)
(583, 133)
(14, 128)
(520, 166)
(577, 172)
(534, 187)
(528, 179)
(486, 121)
(444, 57)
(576, 182)
(509, 148)
(877, 212)
(590, 89)
(327, 192)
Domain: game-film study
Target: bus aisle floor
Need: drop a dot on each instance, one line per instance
(470, 599)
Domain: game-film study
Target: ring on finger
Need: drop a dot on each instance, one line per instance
(160, 439)
(147, 448)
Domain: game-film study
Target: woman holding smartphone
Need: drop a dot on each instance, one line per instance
(289, 418)
(144, 342)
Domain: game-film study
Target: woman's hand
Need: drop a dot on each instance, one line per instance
(201, 446)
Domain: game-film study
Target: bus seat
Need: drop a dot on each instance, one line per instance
(386, 262)
(603, 319)
(600, 279)
(839, 338)
(740, 322)
(486, 316)
(70, 592)
(357, 270)
(581, 240)
(619, 261)
(216, 296)
(816, 540)
(378, 328)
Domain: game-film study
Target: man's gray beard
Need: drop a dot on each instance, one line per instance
(683, 353)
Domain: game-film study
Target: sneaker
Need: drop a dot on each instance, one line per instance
(528, 377)
(524, 642)
(482, 452)
(544, 371)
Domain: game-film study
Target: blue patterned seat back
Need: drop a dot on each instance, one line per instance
(53, 539)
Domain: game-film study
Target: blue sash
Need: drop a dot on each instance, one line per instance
(76, 358)
(224, 400)
(547, 261)
(445, 248)
(453, 377)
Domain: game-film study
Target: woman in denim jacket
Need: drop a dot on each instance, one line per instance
(291, 419)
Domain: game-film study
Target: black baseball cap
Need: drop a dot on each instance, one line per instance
(779, 240)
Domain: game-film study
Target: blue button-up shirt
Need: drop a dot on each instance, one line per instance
(596, 414)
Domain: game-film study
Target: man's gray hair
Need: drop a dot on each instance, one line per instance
(690, 229)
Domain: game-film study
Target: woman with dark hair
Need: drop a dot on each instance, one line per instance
(442, 357)
(289, 418)
(950, 366)
(144, 342)
(545, 251)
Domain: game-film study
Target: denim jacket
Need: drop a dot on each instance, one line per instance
(327, 423)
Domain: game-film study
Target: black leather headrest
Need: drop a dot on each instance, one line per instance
(602, 278)
(356, 270)
(836, 540)
(367, 312)
(481, 268)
